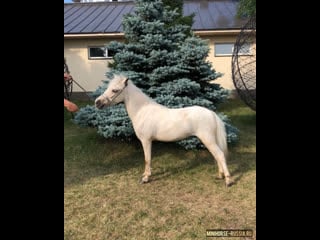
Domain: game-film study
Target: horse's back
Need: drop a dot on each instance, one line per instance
(198, 114)
(170, 124)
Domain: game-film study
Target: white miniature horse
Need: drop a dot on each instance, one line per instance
(152, 121)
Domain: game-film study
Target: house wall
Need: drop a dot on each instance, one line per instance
(89, 73)
(221, 64)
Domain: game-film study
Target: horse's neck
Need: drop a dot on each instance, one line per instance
(135, 99)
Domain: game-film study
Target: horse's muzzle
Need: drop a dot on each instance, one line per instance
(99, 104)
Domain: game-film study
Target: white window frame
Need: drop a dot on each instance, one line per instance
(97, 58)
(230, 54)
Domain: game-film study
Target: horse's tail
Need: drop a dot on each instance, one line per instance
(221, 135)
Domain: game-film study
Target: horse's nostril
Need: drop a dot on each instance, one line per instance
(99, 104)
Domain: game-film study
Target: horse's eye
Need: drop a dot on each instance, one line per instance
(115, 90)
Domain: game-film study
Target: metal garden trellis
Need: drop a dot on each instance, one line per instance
(244, 63)
(68, 84)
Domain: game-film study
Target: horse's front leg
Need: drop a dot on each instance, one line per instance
(147, 145)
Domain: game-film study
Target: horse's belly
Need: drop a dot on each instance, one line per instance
(170, 137)
(172, 133)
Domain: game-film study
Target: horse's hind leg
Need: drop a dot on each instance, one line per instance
(147, 145)
(220, 158)
(220, 172)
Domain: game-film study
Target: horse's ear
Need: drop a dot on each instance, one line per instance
(126, 81)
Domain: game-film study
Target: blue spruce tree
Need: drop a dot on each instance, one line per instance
(163, 57)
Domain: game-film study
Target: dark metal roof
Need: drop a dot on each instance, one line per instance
(106, 17)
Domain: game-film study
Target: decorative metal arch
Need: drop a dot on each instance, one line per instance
(68, 82)
(244, 63)
(68, 85)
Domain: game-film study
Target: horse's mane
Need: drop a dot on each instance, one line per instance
(140, 96)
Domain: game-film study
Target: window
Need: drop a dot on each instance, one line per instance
(226, 49)
(223, 49)
(98, 52)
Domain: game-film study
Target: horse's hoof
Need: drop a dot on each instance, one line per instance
(229, 182)
(144, 180)
(219, 177)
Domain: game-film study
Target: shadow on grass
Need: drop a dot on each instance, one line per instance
(96, 156)
(242, 163)
(113, 157)
(189, 165)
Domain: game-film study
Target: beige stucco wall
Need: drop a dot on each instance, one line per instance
(89, 73)
(221, 64)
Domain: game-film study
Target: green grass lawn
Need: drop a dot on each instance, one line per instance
(104, 200)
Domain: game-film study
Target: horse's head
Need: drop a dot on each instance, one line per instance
(114, 94)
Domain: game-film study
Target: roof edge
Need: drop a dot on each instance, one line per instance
(116, 35)
(95, 35)
(102, 2)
